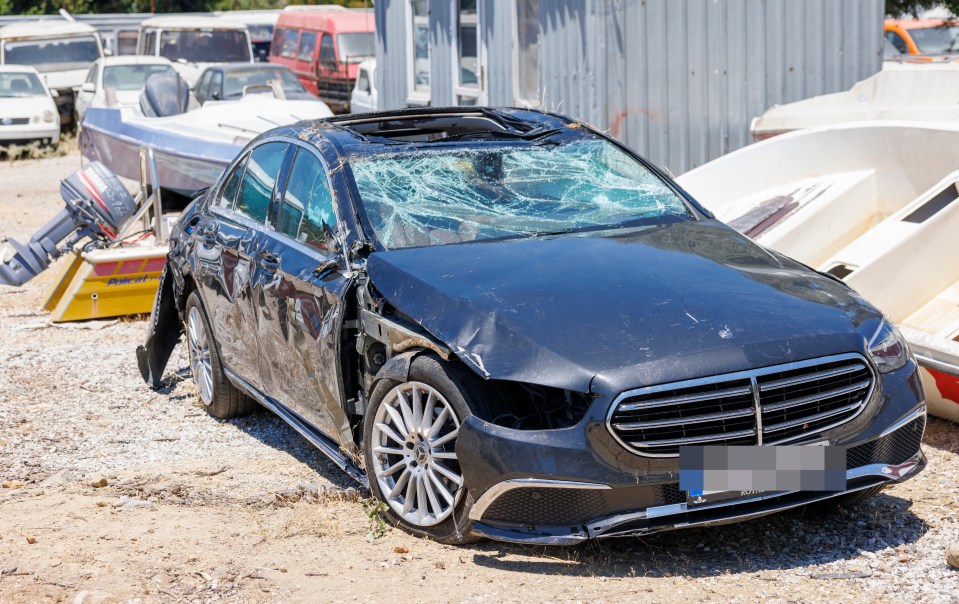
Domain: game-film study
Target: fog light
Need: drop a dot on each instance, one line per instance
(48, 116)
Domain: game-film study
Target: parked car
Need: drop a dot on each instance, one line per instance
(363, 98)
(232, 81)
(195, 43)
(509, 323)
(61, 52)
(117, 81)
(28, 111)
(923, 36)
(324, 48)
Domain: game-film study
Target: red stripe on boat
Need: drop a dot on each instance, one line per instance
(129, 267)
(154, 265)
(947, 384)
(106, 269)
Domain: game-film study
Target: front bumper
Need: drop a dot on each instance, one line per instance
(561, 487)
(43, 131)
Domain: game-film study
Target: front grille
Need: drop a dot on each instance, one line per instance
(14, 121)
(547, 506)
(772, 405)
(892, 449)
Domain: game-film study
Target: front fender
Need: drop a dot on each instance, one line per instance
(163, 332)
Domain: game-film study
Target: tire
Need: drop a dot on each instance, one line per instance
(416, 461)
(219, 396)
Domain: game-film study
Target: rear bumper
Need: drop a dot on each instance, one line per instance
(562, 487)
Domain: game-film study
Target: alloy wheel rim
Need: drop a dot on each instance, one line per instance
(200, 363)
(414, 462)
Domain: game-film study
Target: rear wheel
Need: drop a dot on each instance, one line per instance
(219, 396)
(409, 444)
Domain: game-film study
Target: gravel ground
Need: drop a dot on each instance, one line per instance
(113, 492)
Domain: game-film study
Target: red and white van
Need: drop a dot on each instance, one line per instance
(324, 48)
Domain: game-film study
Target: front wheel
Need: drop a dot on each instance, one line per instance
(409, 445)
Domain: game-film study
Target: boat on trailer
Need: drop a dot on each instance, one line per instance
(191, 146)
(873, 203)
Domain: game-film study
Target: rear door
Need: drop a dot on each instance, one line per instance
(229, 242)
(302, 305)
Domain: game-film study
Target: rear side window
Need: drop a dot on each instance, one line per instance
(307, 203)
(327, 54)
(277, 45)
(307, 46)
(289, 43)
(148, 42)
(232, 186)
(256, 188)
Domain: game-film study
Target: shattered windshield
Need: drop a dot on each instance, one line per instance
(508, 191)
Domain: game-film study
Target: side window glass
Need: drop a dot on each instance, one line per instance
(258, 180)
(307, 46)
(277, 43)
(307, 203)
(229, 190)
(216, 84)
(290, 37)
(897, 41)
(202, 87)
(327, 54)
(363, 82)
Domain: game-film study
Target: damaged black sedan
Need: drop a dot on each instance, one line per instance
(510, 325)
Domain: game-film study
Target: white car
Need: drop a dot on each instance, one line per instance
(363, 97)
(117, 81)
(27, 110)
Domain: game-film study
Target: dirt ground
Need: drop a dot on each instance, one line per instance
(112, 492)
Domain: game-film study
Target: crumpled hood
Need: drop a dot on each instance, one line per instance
(656, 305)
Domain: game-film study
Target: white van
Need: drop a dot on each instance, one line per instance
(60, 51)
(195, 43)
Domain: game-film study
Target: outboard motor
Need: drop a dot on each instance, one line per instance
(165, 94)
(98, 207)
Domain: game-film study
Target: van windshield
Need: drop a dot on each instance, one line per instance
(355, 47)
(54, 55)
(194, 46)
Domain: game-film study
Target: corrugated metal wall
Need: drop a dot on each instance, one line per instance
(678, 80)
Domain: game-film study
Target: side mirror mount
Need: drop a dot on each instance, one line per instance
(88, 87)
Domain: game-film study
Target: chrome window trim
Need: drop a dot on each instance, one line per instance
(751, 375)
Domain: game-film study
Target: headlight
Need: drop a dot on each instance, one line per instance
(48, 116)
(888, 348)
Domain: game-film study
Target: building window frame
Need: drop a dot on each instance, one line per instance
(416, 97)
(518, 98)
(476, 95)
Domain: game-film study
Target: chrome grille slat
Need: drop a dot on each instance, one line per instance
(812, 398)
(779, 404)
(694, 439)
(692, 419)
(802, 379)
(808, 419)
(682, 400)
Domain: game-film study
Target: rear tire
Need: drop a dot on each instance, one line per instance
(219, 396)
(409, 438)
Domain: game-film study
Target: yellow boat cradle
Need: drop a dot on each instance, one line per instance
(107, 283)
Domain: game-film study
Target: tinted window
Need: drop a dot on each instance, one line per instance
(307, 203)
(216, 83)
(288, 49)
(258, 180)
(327, 54)
(229, 190)
(277, 42)
(307, 46)
(54, 55)
(222, 46)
